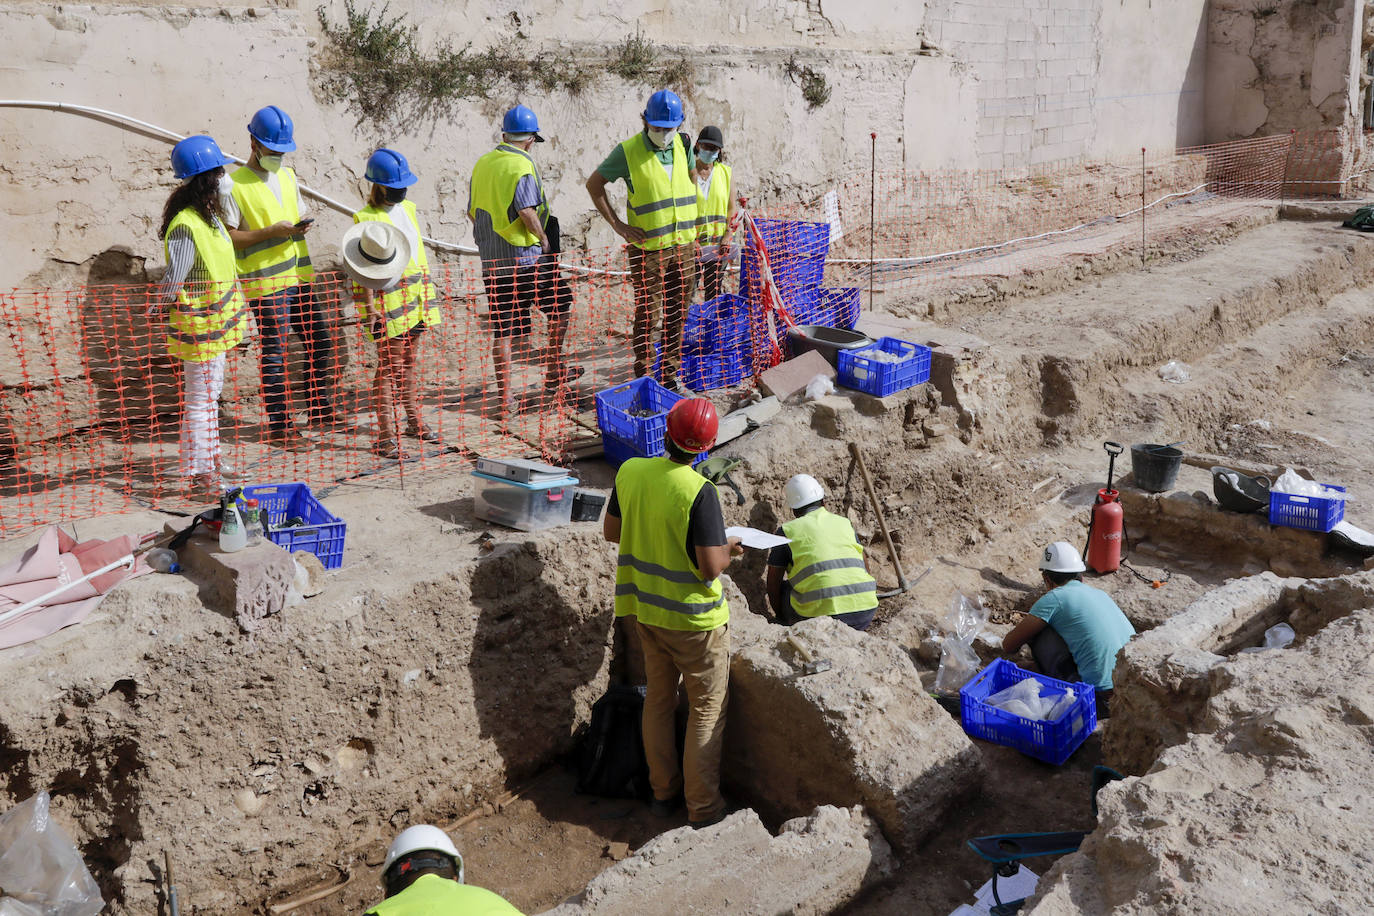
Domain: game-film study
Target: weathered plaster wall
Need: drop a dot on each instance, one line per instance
(1280, 65)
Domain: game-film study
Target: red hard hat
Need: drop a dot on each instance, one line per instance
(692, 424)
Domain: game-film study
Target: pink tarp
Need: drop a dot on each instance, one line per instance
(51, 563)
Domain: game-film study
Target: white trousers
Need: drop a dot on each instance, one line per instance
(200, 416)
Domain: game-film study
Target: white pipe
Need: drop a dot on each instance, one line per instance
(128, 561)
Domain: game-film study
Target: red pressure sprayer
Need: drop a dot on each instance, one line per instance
(1108, 523)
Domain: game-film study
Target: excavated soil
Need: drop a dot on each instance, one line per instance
(441, 669)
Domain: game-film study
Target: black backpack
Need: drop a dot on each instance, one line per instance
(610, 759)
(1363, 220)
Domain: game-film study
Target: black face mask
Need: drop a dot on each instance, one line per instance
(395, 195)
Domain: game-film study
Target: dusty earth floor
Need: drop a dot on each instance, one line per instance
(1032, 486)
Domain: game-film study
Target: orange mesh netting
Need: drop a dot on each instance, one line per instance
(91, 403)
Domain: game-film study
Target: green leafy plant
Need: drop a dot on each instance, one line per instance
(633, 58)
(814, 88)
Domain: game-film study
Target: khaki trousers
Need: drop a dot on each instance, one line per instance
(702, 660)
(663, 282)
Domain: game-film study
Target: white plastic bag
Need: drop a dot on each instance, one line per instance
(962, 623)
(1027, 698)
(1279, 636)
(1292, 483)
(819, 387)
(41, 869)
(1174, 371)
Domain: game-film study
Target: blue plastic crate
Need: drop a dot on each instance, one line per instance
(796, 253)
(709, 371)
(614, 405)
(841, 306)
(1310, 513)
(858, 369)
(323, 532)
(1052, 742)
(617, 452)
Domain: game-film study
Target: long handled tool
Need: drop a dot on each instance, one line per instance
(902, 584)
(173, 904)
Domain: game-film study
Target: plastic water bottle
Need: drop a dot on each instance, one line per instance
(252, 521)
(163, 560)
(232, 534)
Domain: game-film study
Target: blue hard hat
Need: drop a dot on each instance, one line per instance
(194, 155)
(272, 128)
(389, 169)
(521, 120)
(664, 109)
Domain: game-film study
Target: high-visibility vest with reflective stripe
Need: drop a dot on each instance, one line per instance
(713, 207)
(827, 574)
(271, 265)
(432, 895)
(493, 183)
(655, 581)
(412, 301)
(664, 207)
(211, 316)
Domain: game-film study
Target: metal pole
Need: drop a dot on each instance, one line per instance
(1142, 206)
(1287, 164)
(872, 205)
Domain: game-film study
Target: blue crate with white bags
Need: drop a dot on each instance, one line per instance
(1051, 741)
(904, 364)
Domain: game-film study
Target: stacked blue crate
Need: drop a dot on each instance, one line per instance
(796, 255)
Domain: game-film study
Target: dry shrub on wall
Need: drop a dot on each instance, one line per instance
(814, 87)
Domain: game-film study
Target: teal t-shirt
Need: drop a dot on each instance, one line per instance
(1092, 626)
(615, 167)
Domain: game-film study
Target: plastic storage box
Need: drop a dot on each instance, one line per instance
(322, 533)
(1052, 742)
(526, 506)
(1310, 513)
(615, 408)
(859, 369)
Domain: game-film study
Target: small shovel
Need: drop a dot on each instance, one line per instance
(811, 664)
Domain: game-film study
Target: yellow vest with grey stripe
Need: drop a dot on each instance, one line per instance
(271, 265)
(655, 581)
(664, 206)
(827, 574)
(211, 315)
(713, 207)
(494, 179)
(412, 301)
(432, 895)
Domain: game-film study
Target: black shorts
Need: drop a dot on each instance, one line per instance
(513, 292)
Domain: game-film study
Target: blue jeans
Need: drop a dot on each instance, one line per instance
(277, 315)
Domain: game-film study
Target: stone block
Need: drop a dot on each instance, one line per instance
(791, 377)
(873, 736)
(815, 865)
(871, 406)
(832, 415)
(248, 584)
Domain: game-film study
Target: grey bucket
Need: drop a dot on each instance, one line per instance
(1155, 467)
(826, 341)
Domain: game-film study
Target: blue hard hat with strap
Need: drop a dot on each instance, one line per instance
(664, 109)
(520, 120)
(197, 154)
(272, 128)
(389, 169)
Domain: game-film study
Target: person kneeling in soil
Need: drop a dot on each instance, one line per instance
(423, 874)
(1074, 630)
(826, 575)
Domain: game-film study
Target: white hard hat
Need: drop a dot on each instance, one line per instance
(1062, 557)
(420, 838)
(802, 490)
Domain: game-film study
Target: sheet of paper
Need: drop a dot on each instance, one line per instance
(1021, 884)
(753, 537)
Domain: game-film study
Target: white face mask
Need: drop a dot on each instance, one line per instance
(226, 184)
(270, 163)
(660, 137)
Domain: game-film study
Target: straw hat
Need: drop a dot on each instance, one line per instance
(375, 254)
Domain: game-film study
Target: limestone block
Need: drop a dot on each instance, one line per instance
(248, 584)
(791, 377)
(832, 416)
(871, 733)
(814, 865)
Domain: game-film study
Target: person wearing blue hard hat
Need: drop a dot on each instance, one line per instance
(396, 300)
(207, 314)
(518, 241)
(657, 166)
(267, 222)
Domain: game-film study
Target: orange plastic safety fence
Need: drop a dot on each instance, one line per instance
(94, 407)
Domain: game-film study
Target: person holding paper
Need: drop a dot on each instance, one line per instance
(821, 572)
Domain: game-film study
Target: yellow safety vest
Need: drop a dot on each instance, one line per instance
(665, 208)
(827, 574)
(654, 579)
(411, 302)
(431, 895)
(271, 265)
(713, 208)
(492, 189)
(211, 316)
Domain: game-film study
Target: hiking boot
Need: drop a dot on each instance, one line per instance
(665, 807)
(708, 822)
(565, 377)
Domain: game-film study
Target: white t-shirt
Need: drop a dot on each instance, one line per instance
(232, 215)
(401, 218)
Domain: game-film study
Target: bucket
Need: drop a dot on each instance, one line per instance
(1155, 467)
(828, 342)
(587, 505)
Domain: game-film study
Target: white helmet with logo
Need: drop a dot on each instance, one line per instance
(422, 838)
(802, 490)
(1062, 557)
